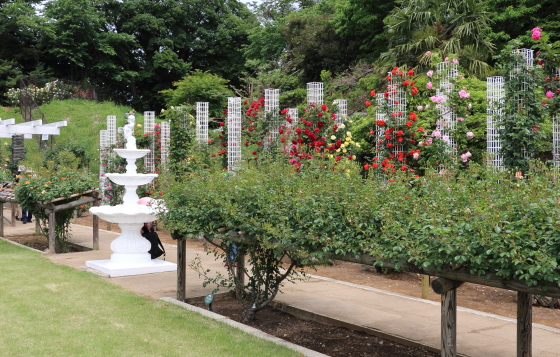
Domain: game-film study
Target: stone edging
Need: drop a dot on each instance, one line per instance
(245, 328)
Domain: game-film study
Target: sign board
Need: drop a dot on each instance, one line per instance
(45, 137)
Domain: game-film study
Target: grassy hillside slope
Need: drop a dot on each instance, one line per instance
(85, 120)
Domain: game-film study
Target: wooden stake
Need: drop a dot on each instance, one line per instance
(524, 324)
(449, 323)
(425, 286)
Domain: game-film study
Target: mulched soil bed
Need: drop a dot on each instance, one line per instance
(332, 341)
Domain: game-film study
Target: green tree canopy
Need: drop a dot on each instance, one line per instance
(360, 22)
(200, 86)
(417, 29)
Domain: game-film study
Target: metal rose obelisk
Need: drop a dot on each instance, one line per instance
(130, 250)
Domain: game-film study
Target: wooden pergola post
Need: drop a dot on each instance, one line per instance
(52, 232)
(181, 266)
(1, 218)
(448, 290)
(95, 244)
(524, 324)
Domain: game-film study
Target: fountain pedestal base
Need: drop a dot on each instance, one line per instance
(130, 267)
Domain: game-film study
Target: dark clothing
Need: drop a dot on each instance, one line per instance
(154, 240)
(26, 216)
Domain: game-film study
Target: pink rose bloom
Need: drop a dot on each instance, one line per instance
(455, 60)
(536, 35)
(420, 108)
(460, 119)
(469, 106)
(429, 85)
(430, 73)
(549, 94)
(463, 94)
(445, 138)
(470, 134)
(428, 54)
(416, 156)
(446, 59)
(436, 134)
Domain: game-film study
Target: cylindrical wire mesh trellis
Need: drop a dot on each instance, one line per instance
(494, 110)
(272, 107)
(165, 140)
(271, 100)
(112, 129)
(526, 62)
(294, 116)
(202, 123)
(380, 115)
(342, 111)
(234, 133)
(447, 123)
(149, 128)
(522, 66)
(104, 143)
(315, 93)
(556, 136)
(396, 102)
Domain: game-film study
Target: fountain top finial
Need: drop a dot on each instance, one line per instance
(128, 130)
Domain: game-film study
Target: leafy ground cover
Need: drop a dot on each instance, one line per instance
(54, 310)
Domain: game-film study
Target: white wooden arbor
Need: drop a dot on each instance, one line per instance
(9, 128)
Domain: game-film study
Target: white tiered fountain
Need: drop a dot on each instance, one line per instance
(130, 250)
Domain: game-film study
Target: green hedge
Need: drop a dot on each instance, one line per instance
(489, 222)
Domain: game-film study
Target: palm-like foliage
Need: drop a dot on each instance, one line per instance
(442, 28)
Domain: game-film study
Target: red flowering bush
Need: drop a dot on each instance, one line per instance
(400, 143)
(315, 139)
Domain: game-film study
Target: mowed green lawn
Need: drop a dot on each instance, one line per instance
(53, 310)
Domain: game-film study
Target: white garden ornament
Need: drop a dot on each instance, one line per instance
(130, 250)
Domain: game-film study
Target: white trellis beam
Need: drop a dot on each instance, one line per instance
(27, 129)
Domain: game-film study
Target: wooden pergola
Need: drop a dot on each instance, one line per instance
(446, 285)
(449, 279)
(56, 205)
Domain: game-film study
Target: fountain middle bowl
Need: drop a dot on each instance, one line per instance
(131, 179)
(127, 214)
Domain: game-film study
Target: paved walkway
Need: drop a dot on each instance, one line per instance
(398, 317)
